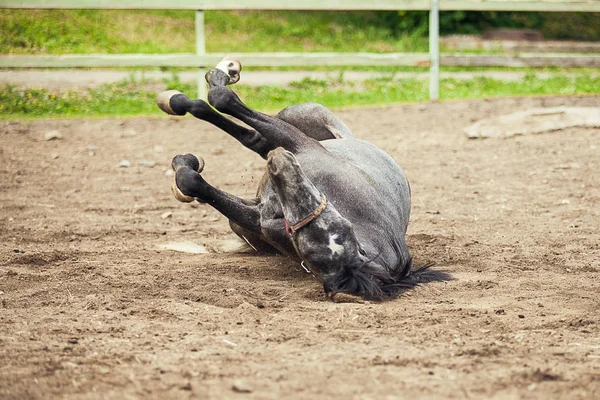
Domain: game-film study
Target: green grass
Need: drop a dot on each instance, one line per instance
(161, 31)
(168, 31)
(164, 31)
(93, 31)
(118, 99)
(129, 97)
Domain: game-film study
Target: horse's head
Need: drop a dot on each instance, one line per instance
(324, 239)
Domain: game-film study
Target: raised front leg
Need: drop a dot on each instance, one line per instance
(191, 184)
(176, 103)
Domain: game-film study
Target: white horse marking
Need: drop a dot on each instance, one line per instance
(333, 246)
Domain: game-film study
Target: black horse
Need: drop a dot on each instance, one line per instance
(338, 204)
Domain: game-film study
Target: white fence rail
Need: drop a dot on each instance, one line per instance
(202, 59)
(465, 5)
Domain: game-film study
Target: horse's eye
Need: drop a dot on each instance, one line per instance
(362, 252)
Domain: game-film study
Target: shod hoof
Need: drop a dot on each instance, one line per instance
(232, 68)
(180, 196)
(163, 100)
(188, 160)
(191, 161)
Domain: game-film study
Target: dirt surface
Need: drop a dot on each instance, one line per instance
(91, 309)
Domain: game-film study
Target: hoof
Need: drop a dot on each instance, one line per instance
(164, 101)
(232, 68)
(188, 160)
(201, 165)
(180, 196)
(192, 162)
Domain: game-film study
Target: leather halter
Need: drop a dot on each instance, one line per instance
(292, 229)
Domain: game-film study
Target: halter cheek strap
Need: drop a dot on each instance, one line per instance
(292, 229)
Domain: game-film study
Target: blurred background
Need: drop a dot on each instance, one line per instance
(131, 91)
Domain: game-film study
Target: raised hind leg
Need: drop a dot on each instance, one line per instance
(276, 131)
(312, 119)
(176, 103)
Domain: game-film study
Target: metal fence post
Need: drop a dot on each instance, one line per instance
(434, 50)
(201, 50)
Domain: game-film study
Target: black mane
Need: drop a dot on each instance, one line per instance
(372, 282)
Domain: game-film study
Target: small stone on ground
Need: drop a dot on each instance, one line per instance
(184, 247)
(240, 386)
(52, 135)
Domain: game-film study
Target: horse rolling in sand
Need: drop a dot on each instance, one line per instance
(337, 204)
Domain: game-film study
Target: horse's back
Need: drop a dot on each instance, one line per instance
(316, 121)
(379, 167)
(361, 175)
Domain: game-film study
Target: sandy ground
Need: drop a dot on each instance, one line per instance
(90, 308)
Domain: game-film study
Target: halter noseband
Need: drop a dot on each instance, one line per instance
(292, 229)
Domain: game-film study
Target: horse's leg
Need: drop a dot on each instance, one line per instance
(314, 120)
(276, 131)
(262, 228)
(190, 184)
(255, 240)
(176, 103)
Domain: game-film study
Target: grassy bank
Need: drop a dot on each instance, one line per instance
(162, 31)
(172, 31)
(130, 97)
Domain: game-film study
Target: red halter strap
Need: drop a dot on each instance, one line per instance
(291, 229)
